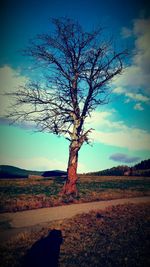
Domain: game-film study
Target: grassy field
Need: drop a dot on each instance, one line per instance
(118, 236)
(23, 194)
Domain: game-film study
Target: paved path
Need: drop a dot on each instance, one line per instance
(33, 217)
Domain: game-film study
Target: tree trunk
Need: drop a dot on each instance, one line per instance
(69, 187)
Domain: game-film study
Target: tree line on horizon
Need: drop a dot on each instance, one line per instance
(140, 169)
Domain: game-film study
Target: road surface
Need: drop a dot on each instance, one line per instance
(38, 216)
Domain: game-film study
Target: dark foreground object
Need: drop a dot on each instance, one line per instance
(45, 252)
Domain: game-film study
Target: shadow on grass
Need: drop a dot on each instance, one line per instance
(44, 252)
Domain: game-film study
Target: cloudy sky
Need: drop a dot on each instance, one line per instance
(121, 132)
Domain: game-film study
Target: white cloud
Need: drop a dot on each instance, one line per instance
(98, 118)
(10, 79)
(131, 96)
(127, 100)
(132, 138)
(133, 77)
(136, 76)
(138, 97)
(116, 133)
(138, 107)
(118, 90)
(104, 120)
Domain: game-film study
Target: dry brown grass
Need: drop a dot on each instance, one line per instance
(88, 178)
(118, 236)
(17, 195)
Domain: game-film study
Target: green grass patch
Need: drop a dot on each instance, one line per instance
(54, 188)
(125, 184)
(17, 195)
(37, 189)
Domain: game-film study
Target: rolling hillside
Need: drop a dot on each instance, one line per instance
(7, 171)
(140, 169)
(12, 172)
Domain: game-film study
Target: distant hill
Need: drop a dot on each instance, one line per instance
(143, 165)
(140, 169)
(116, 171)
(54, 173)
(7, 171)
(12, 172)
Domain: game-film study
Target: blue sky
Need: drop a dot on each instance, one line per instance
(122, 128)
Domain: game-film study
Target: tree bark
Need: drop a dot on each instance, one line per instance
(70, 187)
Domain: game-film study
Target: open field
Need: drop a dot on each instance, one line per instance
(23, 194)
(117, 236)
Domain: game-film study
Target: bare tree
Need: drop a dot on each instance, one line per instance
(77, 67)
